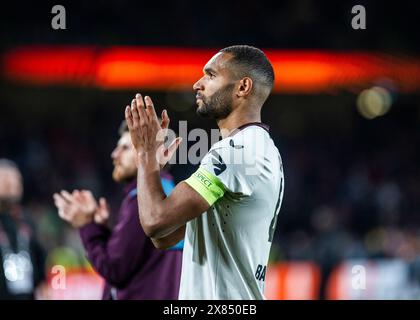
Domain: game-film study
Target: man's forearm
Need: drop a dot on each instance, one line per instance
(150, 195)
(160, 216)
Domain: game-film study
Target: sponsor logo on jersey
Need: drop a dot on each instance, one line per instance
(219, 165)
(232, 144)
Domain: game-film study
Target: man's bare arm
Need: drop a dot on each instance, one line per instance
(170, 240)
(161, 215)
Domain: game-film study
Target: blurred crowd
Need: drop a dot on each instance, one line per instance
(354, 197)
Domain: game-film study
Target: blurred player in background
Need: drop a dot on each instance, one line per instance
(227, 209)
(22, 260)
(124, 256)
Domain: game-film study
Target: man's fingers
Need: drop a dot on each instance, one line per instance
(165, 120)
(143, 121)
(135, 114)
(98, 219)
(104, 212)
(172, 147)
(89, 199)
(58, 201)
(67, 196)
(81, 197)
(102, 203)
(168, 153)
(63, 215)
(128, 117)
(77, 196)
(62, 206)
(140, 108)
(150, 109)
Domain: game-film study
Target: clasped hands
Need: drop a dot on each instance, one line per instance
(80, 208)
(147, 133)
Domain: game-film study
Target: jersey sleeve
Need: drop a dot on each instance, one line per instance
(223, 169)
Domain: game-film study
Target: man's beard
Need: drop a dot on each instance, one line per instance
(122, 175)
(219, 105)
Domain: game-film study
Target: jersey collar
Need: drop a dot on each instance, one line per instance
(249, 124)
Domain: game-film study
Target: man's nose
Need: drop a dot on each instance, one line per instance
(198, 85)
(114, 153)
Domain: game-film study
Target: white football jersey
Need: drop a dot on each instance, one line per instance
(226, 249)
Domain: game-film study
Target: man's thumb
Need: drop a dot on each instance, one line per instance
(173, 146)
(103, 207)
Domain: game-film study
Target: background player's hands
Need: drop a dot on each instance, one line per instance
(147, 134)
(80, 208)
(101, 215)
(88, 204)
(71, 209)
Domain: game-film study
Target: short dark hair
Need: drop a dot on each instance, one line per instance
(252, 62)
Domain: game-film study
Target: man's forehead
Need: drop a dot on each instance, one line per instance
(125, 139)
(218, 61)
(7, 172)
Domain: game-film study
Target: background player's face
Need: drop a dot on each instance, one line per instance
(215, 89)
(124, 159)
(11, 187)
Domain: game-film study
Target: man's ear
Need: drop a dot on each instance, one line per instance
(245, 87)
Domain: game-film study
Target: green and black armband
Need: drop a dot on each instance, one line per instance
(207, 185)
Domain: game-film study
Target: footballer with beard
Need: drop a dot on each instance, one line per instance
(226, 212)
(123, 255)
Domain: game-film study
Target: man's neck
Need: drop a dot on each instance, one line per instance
(235, 120)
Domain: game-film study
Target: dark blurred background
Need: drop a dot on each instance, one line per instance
(352, 184)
